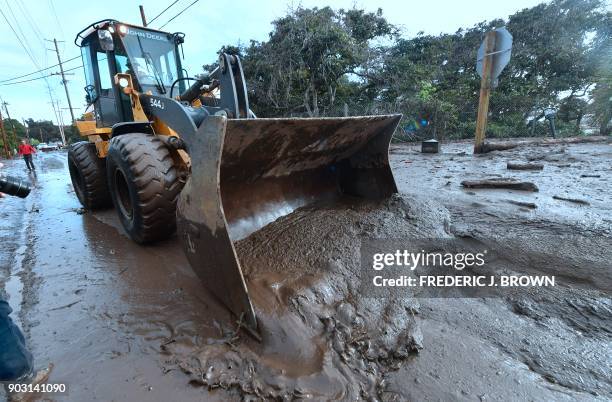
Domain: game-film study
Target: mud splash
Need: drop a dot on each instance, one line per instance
(321, 339)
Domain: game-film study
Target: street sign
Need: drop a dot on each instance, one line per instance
(501, 54)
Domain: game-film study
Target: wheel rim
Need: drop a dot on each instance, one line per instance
(123, 194)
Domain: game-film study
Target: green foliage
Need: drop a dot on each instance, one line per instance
(72, 134)
(14, 132)
(308, 57)
(43, 130)
(46, 131)
(322, 62)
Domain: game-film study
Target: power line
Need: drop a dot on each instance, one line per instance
(38, 71)
(41, 77)
(166, 9)
(59, 23)
(26, 13)
(37, 32)
(27, 50)
(18, 25)
(184, 9)
(18, 38)
(64, 82)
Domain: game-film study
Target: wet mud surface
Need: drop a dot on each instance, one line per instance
(127, 322)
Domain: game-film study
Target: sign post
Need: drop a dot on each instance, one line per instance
(493, 56)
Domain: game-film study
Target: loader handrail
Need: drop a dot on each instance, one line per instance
(94, 26)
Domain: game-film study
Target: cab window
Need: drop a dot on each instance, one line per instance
(105, 76)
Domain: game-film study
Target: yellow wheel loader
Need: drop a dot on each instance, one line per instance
(196, 160)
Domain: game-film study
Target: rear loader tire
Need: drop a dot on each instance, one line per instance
(88, 175)
(144, 186)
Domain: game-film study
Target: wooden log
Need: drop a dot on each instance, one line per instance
(524, 166)
(529, 205)
(499, 146)
(501, 183)
(574, 200)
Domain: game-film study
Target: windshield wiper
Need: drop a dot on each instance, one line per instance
(149, 60)
(160, 83)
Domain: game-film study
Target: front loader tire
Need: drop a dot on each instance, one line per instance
(88, 175)
(144, 185)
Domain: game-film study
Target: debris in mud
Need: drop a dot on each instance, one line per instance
(498, 146)
(503, 146)
(64, 306)
(524, 166)
(574, 200)
(529, 205)
(510, 184)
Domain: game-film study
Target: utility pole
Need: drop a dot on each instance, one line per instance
(27, 130)
(7, 151)
(142, 15)
(8, 115)
(61, 123)
(64, 81)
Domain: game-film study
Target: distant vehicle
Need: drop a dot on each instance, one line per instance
(44, 147)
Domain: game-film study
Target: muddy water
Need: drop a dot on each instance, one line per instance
(125, 322)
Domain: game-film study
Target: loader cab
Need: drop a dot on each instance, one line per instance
(110, 47)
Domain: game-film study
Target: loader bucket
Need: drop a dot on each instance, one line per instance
(246, 173)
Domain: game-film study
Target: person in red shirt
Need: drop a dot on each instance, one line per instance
(26, 150)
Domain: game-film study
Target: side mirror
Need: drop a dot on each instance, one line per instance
(90, 94)
(106, 40)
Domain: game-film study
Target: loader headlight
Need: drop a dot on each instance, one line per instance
(122, 29)
(123, 82)
(111, 29)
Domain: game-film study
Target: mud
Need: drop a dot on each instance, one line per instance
(303, 274)
(126, 322)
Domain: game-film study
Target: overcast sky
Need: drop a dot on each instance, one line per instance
(208, 25)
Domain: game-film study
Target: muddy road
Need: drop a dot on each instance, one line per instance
(126, 322)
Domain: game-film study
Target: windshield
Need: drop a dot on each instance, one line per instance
(152, 58)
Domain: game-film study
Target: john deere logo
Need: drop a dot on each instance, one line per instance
(146, 35)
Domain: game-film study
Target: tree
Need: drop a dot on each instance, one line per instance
(322, 62)
(43, 130)
(308, 58)
(15, 131)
